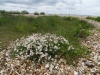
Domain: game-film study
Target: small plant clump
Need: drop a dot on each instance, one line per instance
(42, 47)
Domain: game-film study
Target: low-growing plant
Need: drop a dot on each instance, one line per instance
(24, 28)
(81, 33)
(83, 29)
(89, 17)
(19, 28)
(98, 19)
(2, 21)
(94, 18)
(69, 18)
(40, 48)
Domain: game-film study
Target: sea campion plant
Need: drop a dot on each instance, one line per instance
(41, 47)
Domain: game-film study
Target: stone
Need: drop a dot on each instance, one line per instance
(98, 64)
(98, 71)
(98, 58)
(75, 73)
(71, 73)
(59, 73)
(54, 72)
(89, 64)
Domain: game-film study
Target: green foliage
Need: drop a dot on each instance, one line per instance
(38, 47)
(69, 18)
(42, 13)
(83, 29)
(2, 21)
(14, 12)
(23, 28)
(24, 12)
(20, 49)
(98, 19)
(92, 18)
(72, 29)
(36, 13)
(2, 11)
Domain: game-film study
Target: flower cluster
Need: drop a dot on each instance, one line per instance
(41, 47)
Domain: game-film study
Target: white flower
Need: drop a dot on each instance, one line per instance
(70, 47)
(55, 47)
(37, 43)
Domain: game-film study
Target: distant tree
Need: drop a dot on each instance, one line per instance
(36, 13)
(24, 12)
(17, 12)
(42, 13)
(3, 11)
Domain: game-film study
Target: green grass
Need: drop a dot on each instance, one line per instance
(92, 18)
(14, 27)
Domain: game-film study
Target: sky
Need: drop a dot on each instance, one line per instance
(78, 7)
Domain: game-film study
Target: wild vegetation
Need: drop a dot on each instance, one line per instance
(20, 12)
(14, 12)
(70, 28)
(92, 18)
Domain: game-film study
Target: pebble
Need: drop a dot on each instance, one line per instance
(89, 64)
(98, 71)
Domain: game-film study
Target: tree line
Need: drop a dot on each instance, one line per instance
(21, 12)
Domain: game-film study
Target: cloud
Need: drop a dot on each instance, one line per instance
(53, 6)
(30, 2)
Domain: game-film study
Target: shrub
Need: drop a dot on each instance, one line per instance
(3, 11)
(36, 13)
(92, 18)
(81, 33)
(98, 19)
(24, 12)
(42, 13)
(14, 12)
(83, 29)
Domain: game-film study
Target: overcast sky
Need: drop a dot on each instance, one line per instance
(79, 7)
